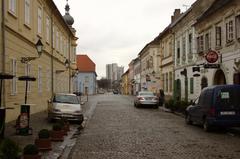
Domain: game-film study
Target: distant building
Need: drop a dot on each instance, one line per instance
(114, 72)
(85, 81)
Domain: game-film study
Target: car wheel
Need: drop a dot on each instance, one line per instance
(188, 119)
(206, 126)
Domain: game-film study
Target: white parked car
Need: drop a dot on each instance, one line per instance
(146, 98)
(66, 106)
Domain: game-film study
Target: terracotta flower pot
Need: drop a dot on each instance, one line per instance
(44, 144)
(57, 135)
(66, 127)
(32, 156)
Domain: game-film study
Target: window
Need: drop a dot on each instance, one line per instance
(86, 79)
(218, 36)
(47, 29)
(184, 46)
(27, 73)
(207, 41)
(190, 43)
(54, 37)
(14, 80)
(170, 48)
(39, 20)
(61, 46)
(170, 82)
(166, 82)
(57, 41)
(27, 12)
(238, 26)
(200, 44)
(178, 49)
(12, 6)
(229, 31)
(48, 75)
(191, 85)
(39, 79)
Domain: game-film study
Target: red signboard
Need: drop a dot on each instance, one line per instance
(211, 56)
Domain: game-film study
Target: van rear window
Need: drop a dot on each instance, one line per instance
(228, 98)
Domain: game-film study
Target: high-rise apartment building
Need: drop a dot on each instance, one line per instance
(113, 72)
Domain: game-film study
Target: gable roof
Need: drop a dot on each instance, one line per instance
(85, 64)
(217, 4)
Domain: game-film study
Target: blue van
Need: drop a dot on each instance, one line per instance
(216, 106)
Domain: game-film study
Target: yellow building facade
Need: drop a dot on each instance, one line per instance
(27, 21)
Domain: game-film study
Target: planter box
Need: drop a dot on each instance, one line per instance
(43, 144)
(57, 135)
(31, 156)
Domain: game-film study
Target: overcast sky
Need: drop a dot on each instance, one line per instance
(115, 31)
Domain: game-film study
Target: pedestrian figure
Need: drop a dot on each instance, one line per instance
(161, 97)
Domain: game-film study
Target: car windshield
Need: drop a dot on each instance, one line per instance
(229, 98)
(146, 94)
(66, 99)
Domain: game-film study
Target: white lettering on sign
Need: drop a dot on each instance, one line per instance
(225, 95)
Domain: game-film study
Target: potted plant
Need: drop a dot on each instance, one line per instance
(9, 149)
(65, 125)
(57, 133)
(30, 151)
(43, 142)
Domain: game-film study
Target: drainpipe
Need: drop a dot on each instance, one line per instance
(3, 48)
(52, 73)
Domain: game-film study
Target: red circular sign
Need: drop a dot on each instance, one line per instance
(211, 57)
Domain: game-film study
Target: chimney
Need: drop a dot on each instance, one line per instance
(176, 14)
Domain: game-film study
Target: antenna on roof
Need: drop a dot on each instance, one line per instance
(186, 6)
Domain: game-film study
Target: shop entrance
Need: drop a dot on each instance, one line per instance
(219, 78)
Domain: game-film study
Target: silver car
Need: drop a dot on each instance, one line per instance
(146, 98)
(65, 106)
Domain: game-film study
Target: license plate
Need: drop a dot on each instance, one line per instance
(228, 113)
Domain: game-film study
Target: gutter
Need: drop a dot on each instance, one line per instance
(3, 48)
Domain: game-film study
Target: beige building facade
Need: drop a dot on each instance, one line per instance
(26, 22)
(218, 30)
(149, 64)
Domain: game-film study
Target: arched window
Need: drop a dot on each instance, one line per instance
(204, 82)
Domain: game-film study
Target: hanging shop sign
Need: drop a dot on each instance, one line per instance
(211, 56)
(212, 60)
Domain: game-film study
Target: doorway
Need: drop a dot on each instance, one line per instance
(219, 78)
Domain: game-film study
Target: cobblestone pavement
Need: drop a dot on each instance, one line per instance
(117, 130)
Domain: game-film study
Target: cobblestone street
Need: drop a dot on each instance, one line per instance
(118, 130)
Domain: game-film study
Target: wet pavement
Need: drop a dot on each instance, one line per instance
(115, 129)
(39, 121)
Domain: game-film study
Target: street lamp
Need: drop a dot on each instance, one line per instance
(39, 47)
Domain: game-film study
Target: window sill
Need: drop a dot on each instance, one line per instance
(27, 26)
(12, 14)
(229, 43)
(218, 47)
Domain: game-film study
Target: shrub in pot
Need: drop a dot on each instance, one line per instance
(43, 142)
(57, 133)
(66, 124)
(30, 151)
(9, 149)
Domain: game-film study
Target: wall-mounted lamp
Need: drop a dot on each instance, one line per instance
(67, 63)
(153, 73)
(39, 47)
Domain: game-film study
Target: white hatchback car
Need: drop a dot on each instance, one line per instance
(146, 98)
(65, 106)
